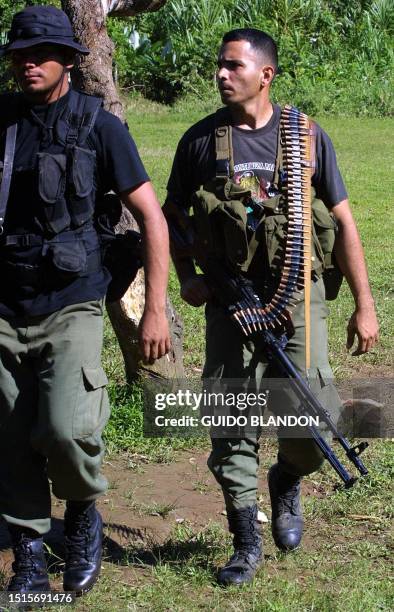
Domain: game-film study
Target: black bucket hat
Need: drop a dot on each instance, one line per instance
(40, 25)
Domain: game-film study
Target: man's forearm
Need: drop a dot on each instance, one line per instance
(156, 263)
(143, 204)
(184, 266)
(350, 257)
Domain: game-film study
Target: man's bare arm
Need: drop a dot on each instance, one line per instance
(193, 288)
(154, 336)
(350, 257)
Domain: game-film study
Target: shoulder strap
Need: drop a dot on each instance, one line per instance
(89, 115)
(10, 109)
(8, 163)
(77, 120)
(223, 144)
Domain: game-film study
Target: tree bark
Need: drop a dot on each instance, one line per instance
(129, 8)
(94, 76)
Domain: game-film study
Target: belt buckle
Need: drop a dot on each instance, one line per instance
(24, 240)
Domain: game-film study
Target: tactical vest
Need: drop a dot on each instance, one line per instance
(63, 172)
(230, 226)
(77, 235)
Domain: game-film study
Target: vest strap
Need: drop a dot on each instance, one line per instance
(30, 240)
(75, 123)
(8, 164)
(279, 154)
(223, 145)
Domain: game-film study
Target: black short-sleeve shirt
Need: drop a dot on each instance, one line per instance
(254, 161)
(119, 168)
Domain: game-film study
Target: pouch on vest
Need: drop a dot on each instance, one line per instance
(69, 258)
(66, 180)
(52, 170)
(83, 166)
(272, 229)
(219, 218)
(324, 235)
(84, 161)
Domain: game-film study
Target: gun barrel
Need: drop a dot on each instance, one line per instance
(309, 404)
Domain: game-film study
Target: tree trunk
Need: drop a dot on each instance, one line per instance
(129, 8)
(94, 75)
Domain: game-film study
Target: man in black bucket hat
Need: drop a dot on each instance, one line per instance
(60, 152)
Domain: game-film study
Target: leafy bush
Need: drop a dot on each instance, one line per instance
(334, 56)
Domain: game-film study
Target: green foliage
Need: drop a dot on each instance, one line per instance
(334, 56)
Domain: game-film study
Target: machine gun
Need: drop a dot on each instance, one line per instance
(237, 295)
(244, 307)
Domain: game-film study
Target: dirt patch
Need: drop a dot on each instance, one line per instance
(144, 503)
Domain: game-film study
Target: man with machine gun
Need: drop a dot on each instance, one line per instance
(237, 154)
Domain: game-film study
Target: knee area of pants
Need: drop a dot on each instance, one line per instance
(212, 463)
(221, 449)
(304, 469)
(53, 443)
(302, 465)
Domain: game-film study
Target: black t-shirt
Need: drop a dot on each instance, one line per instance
(119, 168)
(254, 162)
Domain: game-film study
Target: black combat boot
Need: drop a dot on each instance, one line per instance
(83, 528)
(248, 547)
(30, 566)
(287, 521)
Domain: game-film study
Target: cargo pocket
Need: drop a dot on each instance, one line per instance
(322, 385)
(92, 409)
(275, 239)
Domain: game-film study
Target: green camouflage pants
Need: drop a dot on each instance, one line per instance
(53, 408)
(234, 461)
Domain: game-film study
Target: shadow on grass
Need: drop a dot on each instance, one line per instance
(139, 548)
(201, 549)
(142, 549)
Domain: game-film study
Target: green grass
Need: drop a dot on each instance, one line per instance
(343, 565)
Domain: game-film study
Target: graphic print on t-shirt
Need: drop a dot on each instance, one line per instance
(249, 176)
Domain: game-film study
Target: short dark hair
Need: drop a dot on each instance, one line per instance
(261, 42)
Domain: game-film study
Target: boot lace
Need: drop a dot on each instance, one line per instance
(23, 566)
(246, 539)
(288, 499)
(77, 539)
